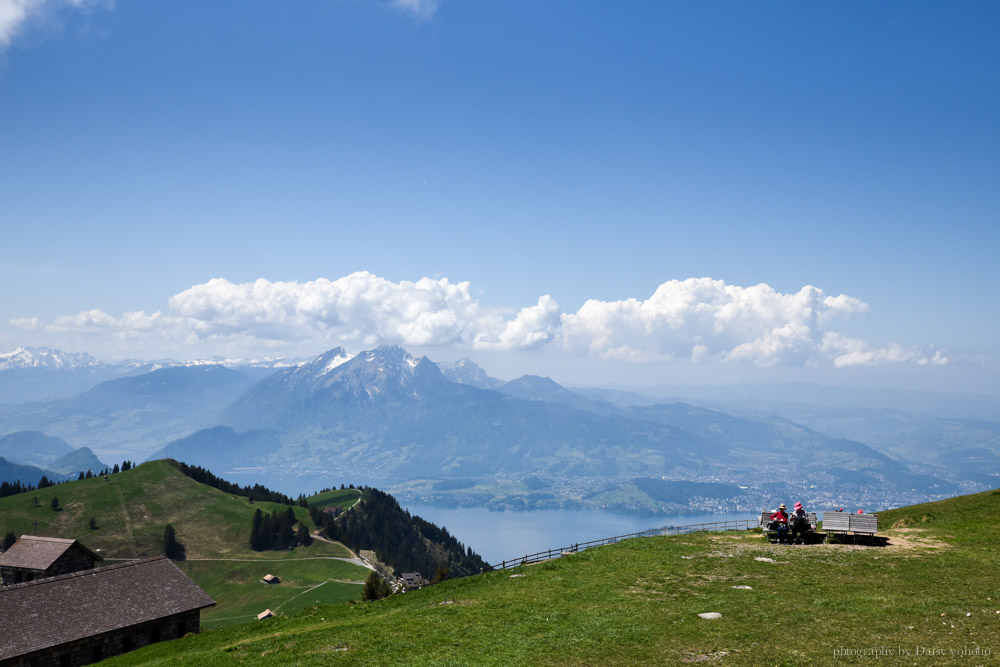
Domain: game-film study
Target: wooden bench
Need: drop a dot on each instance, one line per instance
(843, 523)
(772, 535)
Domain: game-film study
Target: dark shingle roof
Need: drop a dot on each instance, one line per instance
(39, 553)
(49, 612)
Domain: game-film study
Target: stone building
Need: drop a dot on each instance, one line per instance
(84, 617)
(33, 558)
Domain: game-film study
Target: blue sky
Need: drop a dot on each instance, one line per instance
(567, 150)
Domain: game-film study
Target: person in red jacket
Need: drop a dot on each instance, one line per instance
(780, 522)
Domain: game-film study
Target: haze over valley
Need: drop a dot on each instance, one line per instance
(451, 434)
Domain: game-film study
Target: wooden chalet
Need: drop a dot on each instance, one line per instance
(34, 557)
(84, 617)
(412, 580)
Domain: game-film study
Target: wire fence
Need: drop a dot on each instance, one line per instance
(540, 556)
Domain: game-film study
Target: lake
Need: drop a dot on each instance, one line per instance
(498, 536)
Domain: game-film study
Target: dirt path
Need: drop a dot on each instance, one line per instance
(322, 583)
(355, 558)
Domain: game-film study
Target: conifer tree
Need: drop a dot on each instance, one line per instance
(286, 530)
(171, 547)
(8, 540)
(256, 536)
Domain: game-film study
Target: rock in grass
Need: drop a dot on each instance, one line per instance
(744, 588)
(710, 615)
(764, 559)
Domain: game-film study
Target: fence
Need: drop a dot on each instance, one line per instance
(528, 559)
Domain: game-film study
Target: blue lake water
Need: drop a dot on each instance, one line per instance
(498, 536)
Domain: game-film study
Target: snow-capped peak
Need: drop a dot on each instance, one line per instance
(334, 362)
(45, 358)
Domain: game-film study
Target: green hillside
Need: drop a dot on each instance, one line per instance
(132, 508)
(335, 498)
(935, 587)
(240, 595)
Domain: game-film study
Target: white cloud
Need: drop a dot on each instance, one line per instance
(14, 13)
(706, 319)
(843, 351)
(700, 319)
(420, 8)
(531, 327)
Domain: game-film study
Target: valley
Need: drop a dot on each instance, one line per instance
(451, 435)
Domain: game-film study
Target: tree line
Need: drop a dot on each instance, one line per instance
(16, 487)
(257, 492)
(13, 488)
(404, 542)
(276, 530)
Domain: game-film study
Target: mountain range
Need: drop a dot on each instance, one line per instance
(385, 417)
(42, 373)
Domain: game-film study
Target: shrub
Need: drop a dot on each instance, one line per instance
(375, 587)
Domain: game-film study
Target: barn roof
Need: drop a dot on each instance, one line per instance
(39, 553)
(48, 612)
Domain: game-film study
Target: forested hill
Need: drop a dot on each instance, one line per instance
(405, 542)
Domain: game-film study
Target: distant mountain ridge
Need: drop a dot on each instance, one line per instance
(40, 373)
(138, 411)
(465, 371)
(53, 456)
(45, 358)
(11, 472)
(336, 385)
(383, 416)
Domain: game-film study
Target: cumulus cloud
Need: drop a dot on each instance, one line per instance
(704, 319)
(14, 13)
(699, 319)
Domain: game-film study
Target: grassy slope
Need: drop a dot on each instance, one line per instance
(132, 508)
(935, 587)
(240, 595)
(343, 497)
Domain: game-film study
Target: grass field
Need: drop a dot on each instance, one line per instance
(240, 595)
(934, 588)
(343, 497)
(132, 509)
